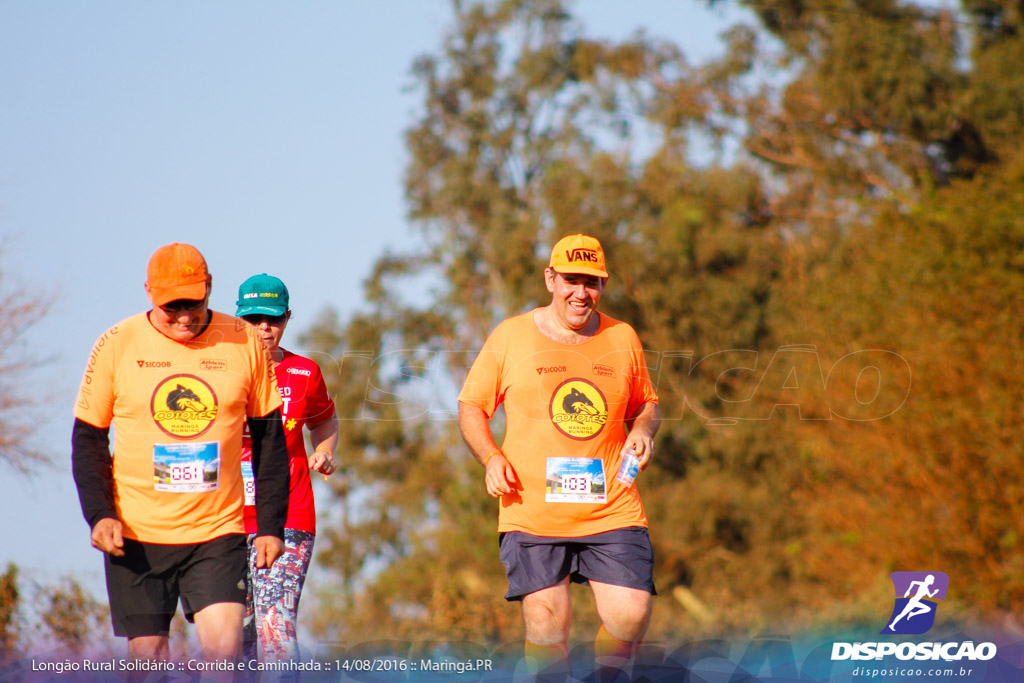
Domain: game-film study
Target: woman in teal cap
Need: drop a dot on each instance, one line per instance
(271, 612)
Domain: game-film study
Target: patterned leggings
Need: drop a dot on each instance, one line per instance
(272, 599)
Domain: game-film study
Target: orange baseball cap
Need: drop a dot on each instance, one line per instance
(578, 254)
(177, 271)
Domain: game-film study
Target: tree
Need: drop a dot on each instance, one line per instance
(530, 131)
(17, 419)
(63, 612)
(10, 603)
(70, 614)
(925, 472)
(872, 104)
(748, 275)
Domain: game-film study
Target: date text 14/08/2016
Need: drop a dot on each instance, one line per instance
(431, 665)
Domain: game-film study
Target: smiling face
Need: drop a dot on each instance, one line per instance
(574, 297)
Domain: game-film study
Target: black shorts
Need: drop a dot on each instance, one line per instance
(144, 586)
(622, 557)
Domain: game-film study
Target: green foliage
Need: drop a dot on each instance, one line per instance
(64, 613)
(70, 614)
(940, 286)
(846, 200)
(10, 601)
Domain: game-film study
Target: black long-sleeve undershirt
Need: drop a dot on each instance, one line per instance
(91, 464)
(270, 469)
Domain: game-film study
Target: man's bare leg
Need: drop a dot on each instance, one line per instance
(546, 615)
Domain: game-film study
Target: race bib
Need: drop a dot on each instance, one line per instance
(249, 481)
(575, 480)
(186, 467)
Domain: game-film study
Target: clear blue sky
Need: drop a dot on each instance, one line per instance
(267, 134)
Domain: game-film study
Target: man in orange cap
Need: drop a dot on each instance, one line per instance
(177, 383)
(579, 406)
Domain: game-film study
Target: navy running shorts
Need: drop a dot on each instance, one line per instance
(622, 557)
(145, 585)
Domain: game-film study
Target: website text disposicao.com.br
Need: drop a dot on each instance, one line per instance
(958, 659)
(907, 672)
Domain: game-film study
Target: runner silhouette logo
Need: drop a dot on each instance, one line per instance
(917, 594)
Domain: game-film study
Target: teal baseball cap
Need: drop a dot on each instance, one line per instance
(262, 295)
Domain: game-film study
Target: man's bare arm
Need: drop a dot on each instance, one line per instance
(500, 477)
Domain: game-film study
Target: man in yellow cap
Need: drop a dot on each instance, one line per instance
(579, 409)
(177, 384)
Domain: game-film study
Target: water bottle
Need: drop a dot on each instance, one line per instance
(628, 468)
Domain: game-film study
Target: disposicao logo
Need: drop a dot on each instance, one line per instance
(916, 596)
(913, 613)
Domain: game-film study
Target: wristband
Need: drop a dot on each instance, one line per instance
(488, 458)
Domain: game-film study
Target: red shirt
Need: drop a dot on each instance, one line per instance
(304, 401)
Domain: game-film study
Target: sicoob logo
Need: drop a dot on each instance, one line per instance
(578, 409)
(914, 612)
(184, 406)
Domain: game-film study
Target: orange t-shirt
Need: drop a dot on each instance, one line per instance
(177, 411)
(565, 408)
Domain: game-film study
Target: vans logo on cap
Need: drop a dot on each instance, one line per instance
(581, 254)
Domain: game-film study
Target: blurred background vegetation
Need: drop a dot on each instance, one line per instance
(819, 239)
